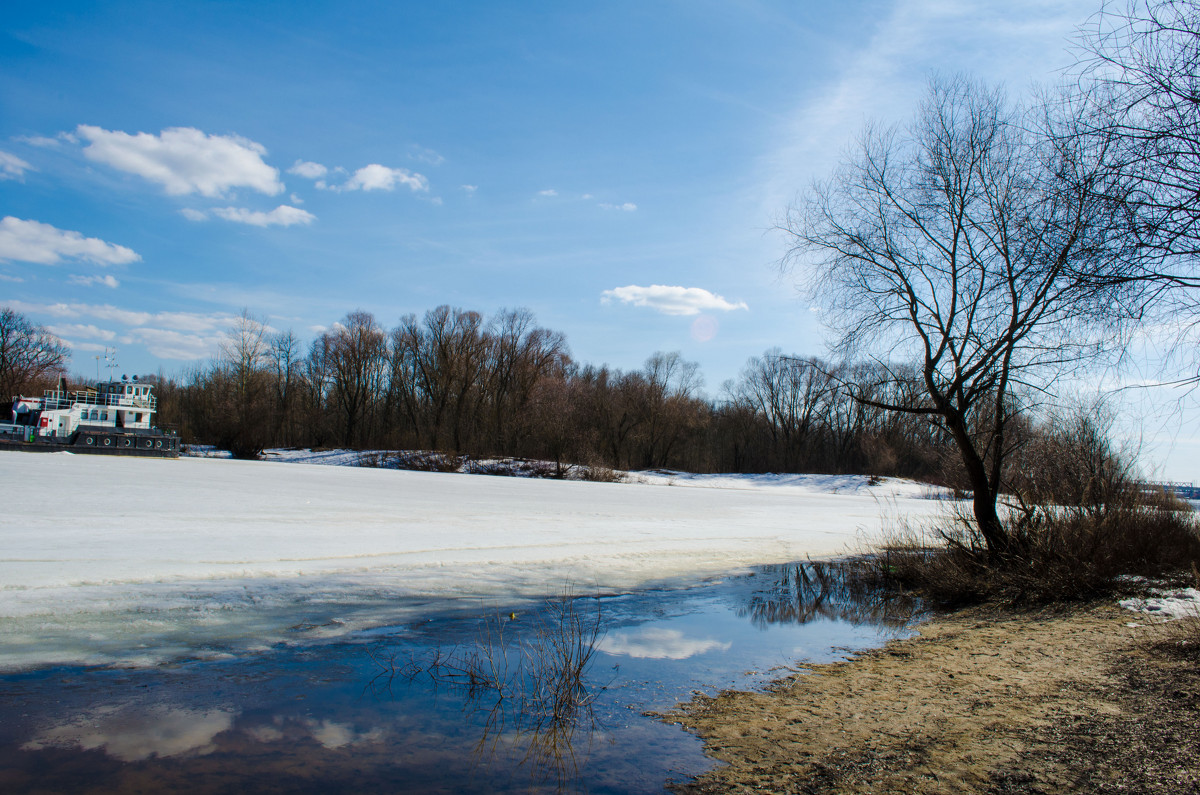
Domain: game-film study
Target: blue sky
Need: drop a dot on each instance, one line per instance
(616, 167)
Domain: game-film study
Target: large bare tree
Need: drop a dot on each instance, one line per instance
(1136, 107)
(967, 244)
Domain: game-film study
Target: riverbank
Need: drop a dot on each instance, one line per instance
(982, 701)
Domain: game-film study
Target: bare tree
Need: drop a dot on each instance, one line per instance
(28, 353)
(239, 380)
(1140, 98)
(285, 365)
(968, 245)
(788, 391)
(1136, 106)
(356, 355)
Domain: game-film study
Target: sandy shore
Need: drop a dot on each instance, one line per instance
(981, 701)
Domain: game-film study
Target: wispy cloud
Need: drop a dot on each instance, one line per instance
(1009, 41)
(43, 141)
(13, 167)
(179, 321)
(33, 241)
(168, 335)
(283, 215)
(427, 155)
(107, 280)
(185, 160)
(627, 207)
(74, 331)
(671, 300)
(548, 192)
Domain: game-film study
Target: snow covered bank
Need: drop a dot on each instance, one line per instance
(879, 487)
(133, 561)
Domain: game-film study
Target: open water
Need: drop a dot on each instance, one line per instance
(469, 698)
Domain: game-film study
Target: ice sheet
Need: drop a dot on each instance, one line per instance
(131, 561)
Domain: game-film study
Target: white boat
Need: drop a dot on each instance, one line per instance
(116, 418)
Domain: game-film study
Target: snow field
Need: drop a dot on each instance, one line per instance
(107, 560)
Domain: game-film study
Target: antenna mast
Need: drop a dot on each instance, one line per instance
(110, 361)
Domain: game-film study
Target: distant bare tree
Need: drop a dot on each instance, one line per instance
(28, 353)
(520, 355)
(669, 387)
(789, 392)
(240, 381)
(971, 247)
(355, 357)
(285, 365)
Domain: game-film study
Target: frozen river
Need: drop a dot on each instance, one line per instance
(133, 561)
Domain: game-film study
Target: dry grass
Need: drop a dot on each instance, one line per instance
(1059, 553)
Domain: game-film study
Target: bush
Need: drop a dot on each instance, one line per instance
(1059, 552)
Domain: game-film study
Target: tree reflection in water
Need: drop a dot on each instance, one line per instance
(851, 589)
(528, 683)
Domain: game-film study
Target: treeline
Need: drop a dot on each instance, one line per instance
(453, 380)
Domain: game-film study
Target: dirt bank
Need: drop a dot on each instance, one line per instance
(982, 701)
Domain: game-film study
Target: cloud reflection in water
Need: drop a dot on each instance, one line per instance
(657, 643)
(130, 734)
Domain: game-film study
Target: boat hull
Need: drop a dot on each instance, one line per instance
(152, 445)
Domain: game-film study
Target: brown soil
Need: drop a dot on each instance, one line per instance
(983, 701)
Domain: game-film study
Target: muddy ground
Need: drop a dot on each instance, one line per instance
(982, 701)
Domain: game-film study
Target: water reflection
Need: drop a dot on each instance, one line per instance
(547, 700)
(131, 734)
(849, 590)
(529, 681)
(658, 643)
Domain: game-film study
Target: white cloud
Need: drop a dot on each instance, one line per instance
(548, 192)
(4, 277)
(193, 215)
(308, 169)
(88, 331)
(283, 215)
(185, 160)
(377, 177)
(296, 199)
(671, 300)
(470, 188)
(13, 167)
(627, 207)
(33, 241)
(87, 281)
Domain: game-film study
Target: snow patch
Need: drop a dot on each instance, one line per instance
(1168, 605)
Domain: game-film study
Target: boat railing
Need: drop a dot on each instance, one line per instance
(56, 399)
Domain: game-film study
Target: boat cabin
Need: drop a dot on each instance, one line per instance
(116, 405)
